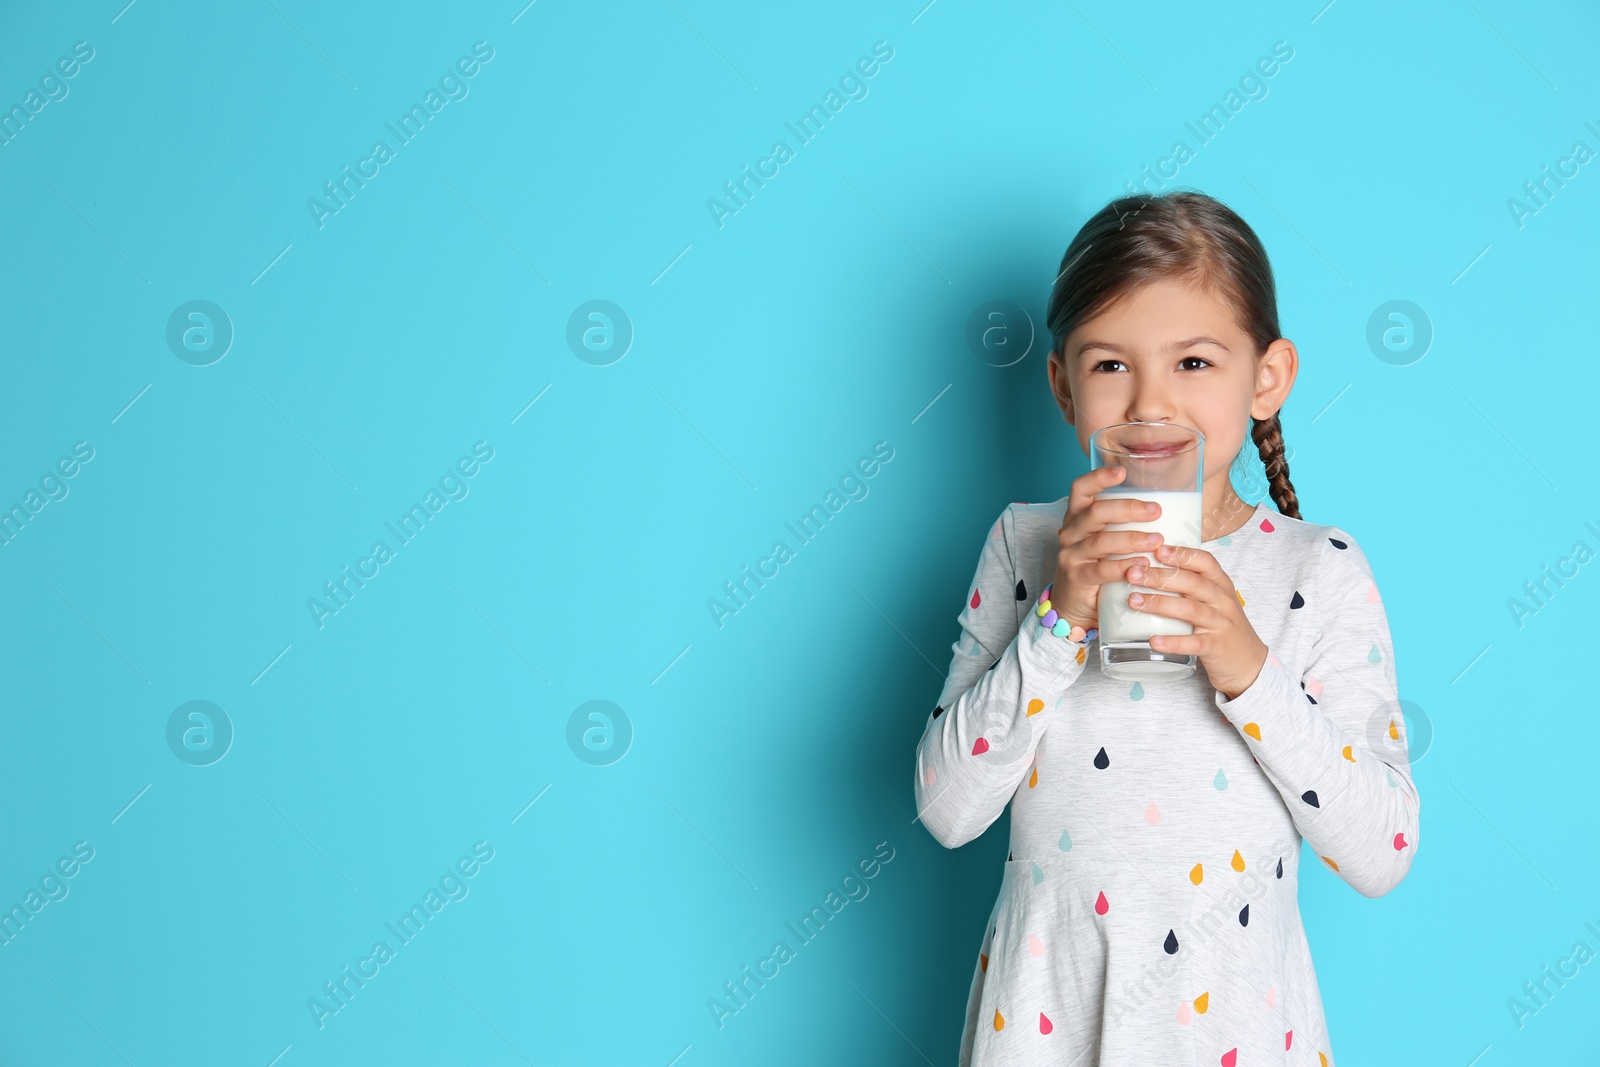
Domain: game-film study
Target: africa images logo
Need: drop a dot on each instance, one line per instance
(453, 485)
(853, 485)
(452, 86)
(852, 86)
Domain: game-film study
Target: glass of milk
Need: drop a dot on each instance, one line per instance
(1165, 465)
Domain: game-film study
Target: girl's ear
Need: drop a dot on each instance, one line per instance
(1275, 375)
(1060, 386)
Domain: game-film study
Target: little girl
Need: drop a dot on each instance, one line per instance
(1148, 911)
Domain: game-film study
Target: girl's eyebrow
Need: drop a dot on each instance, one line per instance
(1189, 342)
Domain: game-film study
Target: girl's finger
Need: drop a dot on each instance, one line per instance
(1115, 570)
(1215, 587)
(1192, 559)
(1087, 487)
(1173, 607)
(1176, 644)
(1174, 578)
(1190, 585)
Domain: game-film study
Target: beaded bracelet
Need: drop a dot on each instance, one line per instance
(1055, 623)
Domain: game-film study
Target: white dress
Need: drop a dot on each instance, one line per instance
(1148, 911)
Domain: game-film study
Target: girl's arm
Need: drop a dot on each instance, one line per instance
(979, 742)
(1333, 742)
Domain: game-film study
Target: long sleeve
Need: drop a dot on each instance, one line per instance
(1333, 741)
(980, 740)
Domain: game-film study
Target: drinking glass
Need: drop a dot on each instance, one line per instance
(1165, 464)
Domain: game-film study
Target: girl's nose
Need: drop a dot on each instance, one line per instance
(1150, 409)
(1151, 403)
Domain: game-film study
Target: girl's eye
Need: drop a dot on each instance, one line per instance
(1197, 359)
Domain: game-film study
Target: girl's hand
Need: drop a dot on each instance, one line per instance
(1223, 638)
(1081, 566)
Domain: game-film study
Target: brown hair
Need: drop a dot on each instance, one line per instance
(1184, 235)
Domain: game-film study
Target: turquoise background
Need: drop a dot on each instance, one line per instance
(763, 760)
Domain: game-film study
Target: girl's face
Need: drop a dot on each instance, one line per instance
(1171, 352)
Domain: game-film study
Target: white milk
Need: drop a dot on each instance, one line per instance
(1178, 524)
